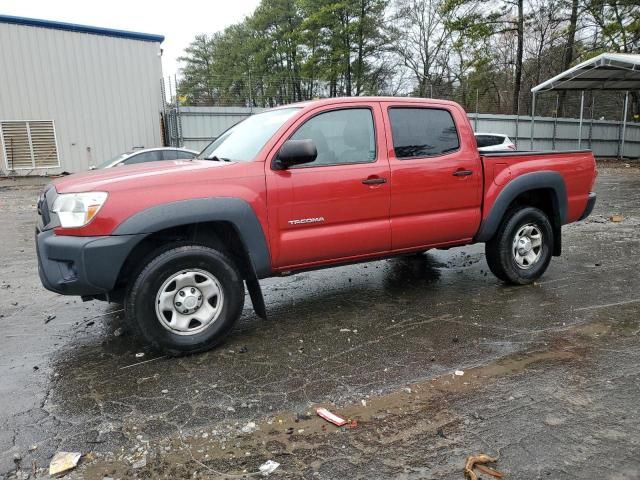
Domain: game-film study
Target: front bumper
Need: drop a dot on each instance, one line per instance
(591, 202)
(82, 265)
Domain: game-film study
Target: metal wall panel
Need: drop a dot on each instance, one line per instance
(102, 92)
(605, 135)
(202, 124)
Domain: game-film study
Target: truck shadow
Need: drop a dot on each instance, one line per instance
(412, 272)
(312, 295)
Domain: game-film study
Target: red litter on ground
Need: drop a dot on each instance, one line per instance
(331, 417)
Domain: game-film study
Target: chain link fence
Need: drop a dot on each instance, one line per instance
(194, 114)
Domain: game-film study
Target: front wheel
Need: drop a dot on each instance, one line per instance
(186, 299)
(520, 251)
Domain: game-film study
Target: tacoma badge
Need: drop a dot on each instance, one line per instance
(306, 220)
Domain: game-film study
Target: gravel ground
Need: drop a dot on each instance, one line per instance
(550, 384)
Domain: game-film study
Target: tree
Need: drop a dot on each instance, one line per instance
(371, 39)
(519, 57)
(473, 51)
(569, 50)
(277, 24)
(617, 23)
(422, 38)
(197, 82)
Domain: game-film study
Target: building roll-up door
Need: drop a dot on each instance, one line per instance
(29, 145)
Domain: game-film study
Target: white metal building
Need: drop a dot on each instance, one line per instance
(72, 96)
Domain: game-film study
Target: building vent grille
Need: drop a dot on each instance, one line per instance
(29, 145)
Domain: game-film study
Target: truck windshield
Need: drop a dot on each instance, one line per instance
(243, 141)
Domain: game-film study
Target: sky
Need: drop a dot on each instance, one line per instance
(179, 21)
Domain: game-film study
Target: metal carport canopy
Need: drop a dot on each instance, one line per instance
(607, 71)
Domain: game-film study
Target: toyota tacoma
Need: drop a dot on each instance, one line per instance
(295, 188)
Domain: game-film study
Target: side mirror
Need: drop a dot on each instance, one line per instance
(295, 152)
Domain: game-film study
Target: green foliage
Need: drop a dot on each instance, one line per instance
(484, 54)
(289, 50)
(618, 22)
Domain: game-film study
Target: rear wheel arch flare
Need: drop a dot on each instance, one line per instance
(544, 189)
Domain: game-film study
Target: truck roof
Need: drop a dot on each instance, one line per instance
(340, 100)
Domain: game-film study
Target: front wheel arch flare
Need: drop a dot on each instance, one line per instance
(234, 211)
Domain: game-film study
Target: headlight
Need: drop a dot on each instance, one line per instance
(78, 209)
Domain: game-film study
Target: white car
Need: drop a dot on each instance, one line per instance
(493, 142)
(148, 155)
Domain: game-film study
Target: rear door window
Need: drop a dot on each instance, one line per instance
(422, 132)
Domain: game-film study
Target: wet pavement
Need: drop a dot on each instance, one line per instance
(550, 385)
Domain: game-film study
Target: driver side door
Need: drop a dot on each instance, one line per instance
(335, 209)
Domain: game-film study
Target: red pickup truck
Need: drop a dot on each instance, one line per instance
(294, 188)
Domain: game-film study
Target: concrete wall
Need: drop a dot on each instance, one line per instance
(102, 92)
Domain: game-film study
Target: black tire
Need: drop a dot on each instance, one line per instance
(140, 302)
(500, 249)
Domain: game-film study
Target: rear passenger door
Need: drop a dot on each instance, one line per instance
(436, 178)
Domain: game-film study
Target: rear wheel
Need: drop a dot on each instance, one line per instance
(520, 251)
(186, 299)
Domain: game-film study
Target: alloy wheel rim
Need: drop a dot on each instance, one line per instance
(527, 246)
(189, 301)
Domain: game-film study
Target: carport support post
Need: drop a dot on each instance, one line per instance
(593, 106)
(624, 124)
(555, 123)
(533, 116)
(581, 116)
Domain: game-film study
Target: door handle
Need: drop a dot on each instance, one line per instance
(462, 173)
(374, 181)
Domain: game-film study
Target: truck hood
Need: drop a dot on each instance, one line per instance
(152, 172)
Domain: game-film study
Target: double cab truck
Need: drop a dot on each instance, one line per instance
(300, 187)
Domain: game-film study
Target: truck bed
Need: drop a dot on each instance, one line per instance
(577, 168)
